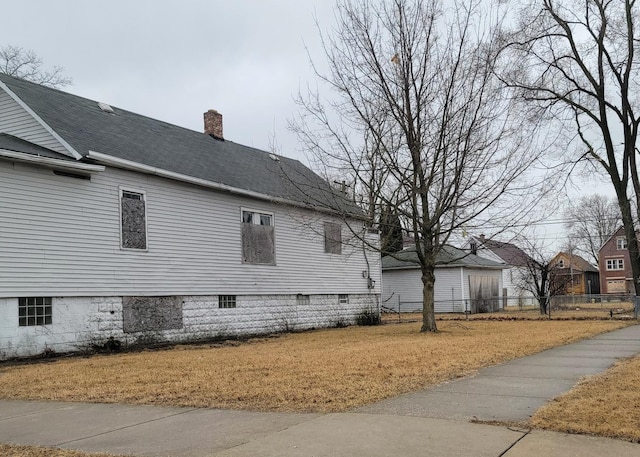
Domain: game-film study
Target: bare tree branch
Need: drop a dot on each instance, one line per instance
(25, 64)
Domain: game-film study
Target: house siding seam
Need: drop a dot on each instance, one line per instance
(15, 121)
(81, 323)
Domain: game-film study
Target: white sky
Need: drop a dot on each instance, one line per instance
(173, 60)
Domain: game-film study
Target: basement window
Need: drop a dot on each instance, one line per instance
(133, 220)
(302, 300)
(34, 311)
(226, 301)
(343, 299)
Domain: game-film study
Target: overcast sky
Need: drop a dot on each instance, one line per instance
(174, 60)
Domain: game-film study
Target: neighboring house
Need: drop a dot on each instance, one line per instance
(614, 264)
(464, 282)
(574, 275)
(116, 226)
(513, 258)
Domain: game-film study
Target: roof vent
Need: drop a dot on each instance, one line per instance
(106, 108)
(274, 157)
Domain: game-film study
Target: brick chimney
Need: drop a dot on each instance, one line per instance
(213, 124)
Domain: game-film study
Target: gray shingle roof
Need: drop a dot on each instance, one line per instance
(510, 253)
(151, 142)
(448, 256)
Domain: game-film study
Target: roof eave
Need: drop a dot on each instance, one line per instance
(125, 164)
(49, 162)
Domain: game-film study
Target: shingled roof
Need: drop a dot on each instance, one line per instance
(448, 256)
(159, 145)
(509, 253)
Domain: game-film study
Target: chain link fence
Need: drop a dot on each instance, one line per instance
(591, 306)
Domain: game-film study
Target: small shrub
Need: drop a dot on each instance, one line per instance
(368, 317)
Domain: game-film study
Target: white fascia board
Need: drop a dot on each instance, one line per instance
(142, 168)
(72, 152)
(50, 162)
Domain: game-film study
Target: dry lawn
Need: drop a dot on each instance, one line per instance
(7, 450)
(607, 405)
(326, 370)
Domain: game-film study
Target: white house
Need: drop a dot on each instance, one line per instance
(464, 282)
(118, 227)
(515, 261)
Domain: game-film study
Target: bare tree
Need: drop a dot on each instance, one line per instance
(591, 220)
(576, 61)
(541, 276)
(25, 64)
(419, 123)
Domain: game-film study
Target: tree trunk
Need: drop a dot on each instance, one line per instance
(428, 308)
(544, 303)
(630, 233)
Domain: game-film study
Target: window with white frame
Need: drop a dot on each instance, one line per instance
(343, 299)
(133, 220)
(561, 263)
(258, 237)
(615, 264)
(332, 238)
(34, 311)
(621, 243)
(226, 301)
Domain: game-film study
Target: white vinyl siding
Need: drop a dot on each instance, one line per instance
(450, 292)
(15, 121)
(60, 236)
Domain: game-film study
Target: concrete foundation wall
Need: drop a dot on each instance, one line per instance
(81, 323)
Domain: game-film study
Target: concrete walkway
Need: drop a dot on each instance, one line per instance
(429, 423)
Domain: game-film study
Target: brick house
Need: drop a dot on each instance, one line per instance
(616, 276)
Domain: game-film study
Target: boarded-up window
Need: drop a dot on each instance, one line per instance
(133, 220)
(332, 238)
(616, 286)
(258, 238)
(151, 314)
(484, 293)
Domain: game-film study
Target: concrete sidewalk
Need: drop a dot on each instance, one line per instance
(429, 423)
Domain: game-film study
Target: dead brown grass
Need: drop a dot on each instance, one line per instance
(7, 450)
(606, 405)
(327, 370)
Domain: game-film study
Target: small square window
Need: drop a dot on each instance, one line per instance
(34, 311)
(621, 243)
(226, 301)
(302, 300)
(343, 299)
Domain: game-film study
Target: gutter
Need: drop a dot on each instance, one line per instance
(147, 169)
(49, 162)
